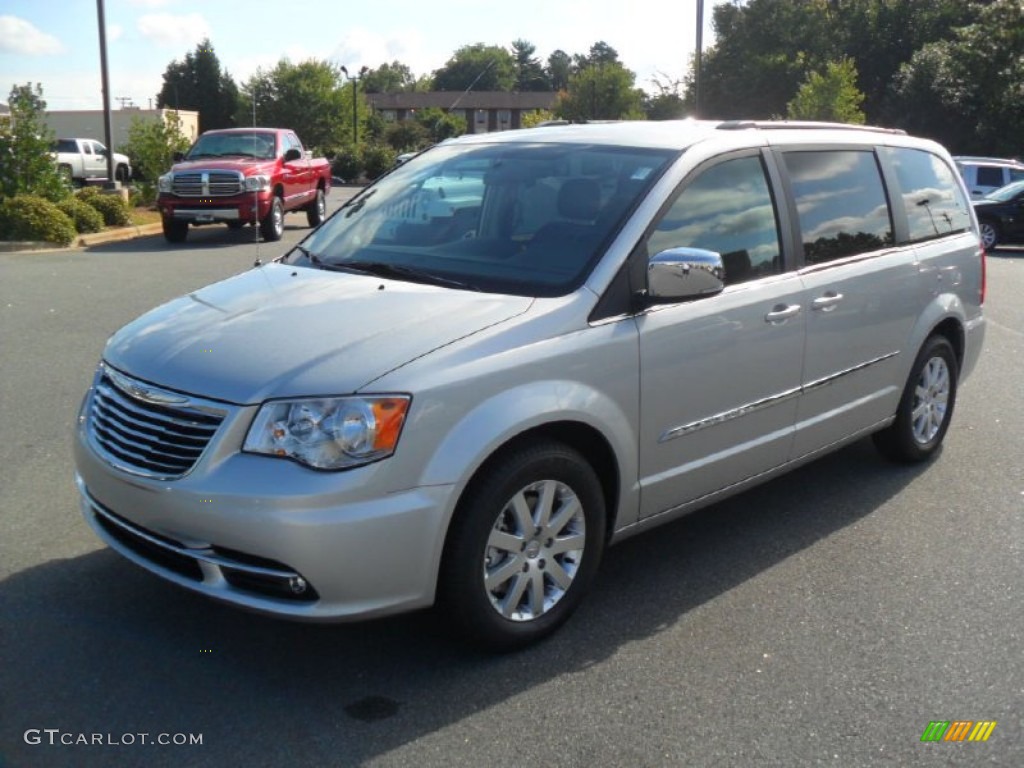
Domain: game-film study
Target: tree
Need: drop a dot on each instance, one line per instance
(968, 92)
(559, 69)
(831, 96)
(600, 54)
(26, 165)
(395, 77)
(668, 103)
(312, 97)
(151, 146)
(479, 67)
(440, 125)
(530, 75)
(601, 92)
(197, 83)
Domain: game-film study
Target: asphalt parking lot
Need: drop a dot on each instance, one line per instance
(823, 619)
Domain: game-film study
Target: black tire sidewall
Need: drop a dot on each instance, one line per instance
(462, 593)
(903, 445)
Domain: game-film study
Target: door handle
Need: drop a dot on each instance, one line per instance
(781, 313)
(827, 302)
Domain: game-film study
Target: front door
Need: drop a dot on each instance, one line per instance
(720, 376)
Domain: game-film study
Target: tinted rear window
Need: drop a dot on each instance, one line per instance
(931, 196)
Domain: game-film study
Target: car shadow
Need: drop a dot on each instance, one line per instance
(96, 645)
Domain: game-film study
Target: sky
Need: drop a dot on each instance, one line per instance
(56, 42)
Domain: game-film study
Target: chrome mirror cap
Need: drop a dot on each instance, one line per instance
(684, 273)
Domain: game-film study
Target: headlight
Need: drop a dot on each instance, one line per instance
(165, 182)
(331, 433)
(256, 183)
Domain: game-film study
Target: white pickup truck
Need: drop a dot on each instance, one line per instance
(79, 160)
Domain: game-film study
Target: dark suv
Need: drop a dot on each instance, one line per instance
(1001, 215)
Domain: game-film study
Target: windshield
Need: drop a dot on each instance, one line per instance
(259, 144)
(525, 219)
(1007, 193)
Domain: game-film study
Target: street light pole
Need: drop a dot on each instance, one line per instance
(355, 102)
(696, 61)
(111, 181)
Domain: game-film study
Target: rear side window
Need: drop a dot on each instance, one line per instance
(841, 202)
(931, 196)
(990, 176)
(1016, 174)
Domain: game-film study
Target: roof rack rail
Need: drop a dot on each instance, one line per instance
(779, 125)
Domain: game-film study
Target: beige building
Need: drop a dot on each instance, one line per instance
(484, 111)
(88, 124)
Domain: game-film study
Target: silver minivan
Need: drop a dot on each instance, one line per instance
(518, 348)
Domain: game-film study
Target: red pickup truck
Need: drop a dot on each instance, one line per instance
(242, 176)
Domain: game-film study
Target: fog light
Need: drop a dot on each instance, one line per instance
(297, 585)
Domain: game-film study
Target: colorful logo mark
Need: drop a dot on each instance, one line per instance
(958, 730)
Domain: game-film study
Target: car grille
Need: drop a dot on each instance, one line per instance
(207, 183)
(147, 437)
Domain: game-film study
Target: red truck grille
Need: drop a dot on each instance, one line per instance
(207, 183)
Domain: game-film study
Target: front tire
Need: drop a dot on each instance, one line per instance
(524, 546)
(989, 234)
(317, 210)
(175, 231)
(272, 226)
(926, 406)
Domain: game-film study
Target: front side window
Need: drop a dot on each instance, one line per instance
(728, 209)
(519, 218)
(841, 203)
(931, 196)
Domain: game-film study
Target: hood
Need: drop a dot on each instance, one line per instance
(247, 165)
(280, 331)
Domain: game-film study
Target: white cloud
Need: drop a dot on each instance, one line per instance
(149, 3)
(360, 47)
(167, 29)
(20, 36)
(114, 32)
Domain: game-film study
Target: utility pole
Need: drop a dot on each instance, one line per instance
(111, 181)
(696, 60)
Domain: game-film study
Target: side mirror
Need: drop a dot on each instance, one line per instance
(292, 155)
(178, 157)
(684, 273)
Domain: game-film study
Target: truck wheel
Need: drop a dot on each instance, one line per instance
(926, 407)
(317, 210)
(175, 231)
(272, 227)
(121, 174)
(524, 546)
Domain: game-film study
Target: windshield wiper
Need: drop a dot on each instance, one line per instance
(356, 204)
(398, 271)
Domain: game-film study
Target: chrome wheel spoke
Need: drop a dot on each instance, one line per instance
(545, 503)
(495, 579)
(570, 509)
(536, 594)
(521, 510)
(515, 595)
(506, 542)
(559, 575)
(567, 544)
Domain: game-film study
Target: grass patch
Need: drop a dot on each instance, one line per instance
(142, 216)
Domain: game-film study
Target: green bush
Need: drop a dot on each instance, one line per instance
(28, 217)
(378, 159)
(85, 217)
(347, 163)
(87, 193)
(114, 209)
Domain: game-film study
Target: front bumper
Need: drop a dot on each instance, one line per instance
(269, 535)
(249, 208)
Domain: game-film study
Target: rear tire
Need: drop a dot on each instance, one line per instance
(524, 546)
(121, 174)
(926, 406)
(989, 234)
(175, 231)
(317, 210)
(272, 226)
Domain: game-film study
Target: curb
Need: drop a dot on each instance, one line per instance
(83, 241)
